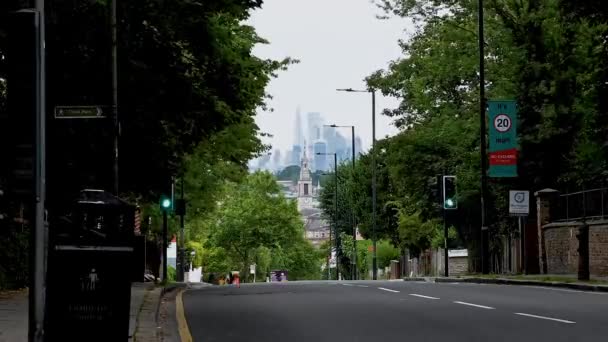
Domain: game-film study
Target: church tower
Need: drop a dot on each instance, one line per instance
(305, 191)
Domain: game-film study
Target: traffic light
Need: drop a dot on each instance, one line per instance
(165, 203)
(450, 201)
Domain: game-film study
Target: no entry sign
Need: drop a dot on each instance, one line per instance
(503, 139)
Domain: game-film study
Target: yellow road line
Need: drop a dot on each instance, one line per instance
(182, 324)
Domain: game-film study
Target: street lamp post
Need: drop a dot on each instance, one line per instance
(335, 209)
(374, 258)
(354, 260)
(482, 134)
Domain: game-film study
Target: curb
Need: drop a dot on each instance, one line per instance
(506, 281)
(414, 279)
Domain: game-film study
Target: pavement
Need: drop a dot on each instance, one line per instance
(13, 316)
(145, 298)
(394, 310)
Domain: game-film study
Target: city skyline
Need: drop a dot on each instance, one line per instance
(359, 46)
(315, 137)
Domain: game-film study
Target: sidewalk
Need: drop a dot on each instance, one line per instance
(13, 316)
(145, 298)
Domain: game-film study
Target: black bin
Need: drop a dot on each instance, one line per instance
(90, 269)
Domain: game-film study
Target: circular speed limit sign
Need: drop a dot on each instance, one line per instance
(502, 123)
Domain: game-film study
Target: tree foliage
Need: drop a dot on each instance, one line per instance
(254, 220)
(548, 55)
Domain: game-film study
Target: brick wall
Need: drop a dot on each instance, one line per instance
(598, 250)
(561, 247)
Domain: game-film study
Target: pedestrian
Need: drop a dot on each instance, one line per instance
(229, 279)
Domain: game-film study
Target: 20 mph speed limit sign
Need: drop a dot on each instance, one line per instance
(502, 123)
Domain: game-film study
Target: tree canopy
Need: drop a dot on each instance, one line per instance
(548, 55)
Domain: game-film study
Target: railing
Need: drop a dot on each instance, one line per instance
(587, 204)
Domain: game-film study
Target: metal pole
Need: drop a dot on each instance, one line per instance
(115, 92)
(374, 258)
(36, 293)
(181, 257)
(482, 142)
(336, 210)
(522, 242)
(329, 256)
(445, 247)
(354, 261)
(164, 244)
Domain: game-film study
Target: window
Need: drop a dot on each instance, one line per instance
(305, 189)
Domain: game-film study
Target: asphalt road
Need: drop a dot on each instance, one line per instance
(394, 311)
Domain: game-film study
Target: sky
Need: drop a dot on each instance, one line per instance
(338, 43)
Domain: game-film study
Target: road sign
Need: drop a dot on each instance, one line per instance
(503, 139)
(519, 202)
(79, 112)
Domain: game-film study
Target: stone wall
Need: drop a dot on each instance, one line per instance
(561, 247)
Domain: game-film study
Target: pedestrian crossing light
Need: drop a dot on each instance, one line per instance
(449, 193)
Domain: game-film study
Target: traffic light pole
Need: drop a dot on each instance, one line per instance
(165, 237)
(445, 247)
(181, 258)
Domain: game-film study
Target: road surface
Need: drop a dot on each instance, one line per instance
(394, 311)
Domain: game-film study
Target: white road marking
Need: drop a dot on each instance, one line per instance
(475, 305)
(422, 296)
(361, 285)
(389, 290)
(348, 284)
(568, 290)
(543, 317)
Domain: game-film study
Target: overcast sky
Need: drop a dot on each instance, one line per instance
(338, 43)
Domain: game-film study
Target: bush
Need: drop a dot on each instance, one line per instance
(171, 274)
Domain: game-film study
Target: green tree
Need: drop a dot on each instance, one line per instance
(253, 216)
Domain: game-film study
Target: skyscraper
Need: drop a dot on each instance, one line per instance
(276, 160)
(315, 127)
(320, 159)
(298, 142)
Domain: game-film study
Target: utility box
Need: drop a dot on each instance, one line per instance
(90, 267)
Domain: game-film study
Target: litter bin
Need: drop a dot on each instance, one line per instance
(90, 269)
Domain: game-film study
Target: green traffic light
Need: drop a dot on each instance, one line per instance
(166, 203)
(449, 202)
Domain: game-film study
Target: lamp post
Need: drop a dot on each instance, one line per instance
(482, 141)
(335, 210)
(373, 92)
(354, 260)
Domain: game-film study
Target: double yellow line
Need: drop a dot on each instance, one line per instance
(182, 324)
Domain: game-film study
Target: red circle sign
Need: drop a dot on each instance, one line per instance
(502, 123)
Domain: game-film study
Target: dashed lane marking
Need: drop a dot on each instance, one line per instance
(422, 296)
(389, 290)
(546, 318)
(475, 305)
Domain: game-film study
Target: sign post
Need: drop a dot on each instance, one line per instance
(503, 138)
(519, 205)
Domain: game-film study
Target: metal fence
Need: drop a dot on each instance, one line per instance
(587, 204)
